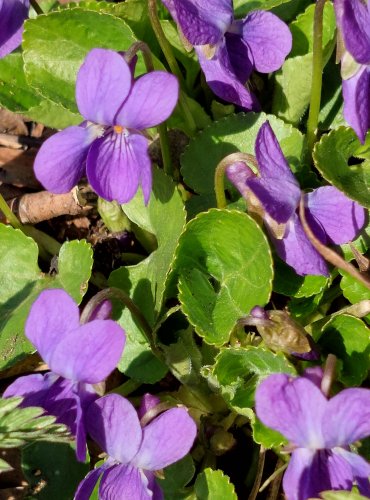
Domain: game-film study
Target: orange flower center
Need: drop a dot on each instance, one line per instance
(118, 129)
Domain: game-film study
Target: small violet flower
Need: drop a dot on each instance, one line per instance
(77, 355)
(110, 144)
(353, 19)
(275, 194)
(12, 16)
(229, 50)
(134, 451)
(319, 431)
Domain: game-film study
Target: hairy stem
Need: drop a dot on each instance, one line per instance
(329, 254)
(317, 69)
(220, 171)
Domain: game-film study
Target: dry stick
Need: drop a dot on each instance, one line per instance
(37, 207)
(260, 466)
(328, 254)
(221, 170)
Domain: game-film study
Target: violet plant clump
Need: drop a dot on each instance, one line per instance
(13, 13)
(109, 145)
(228, 49)
(211, 320)
(275, 194)
(134, 451)
(353, 19)
(319, 431)
(78, 356)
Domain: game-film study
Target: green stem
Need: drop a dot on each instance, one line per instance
(9, 214)
(127, 388)
(117, 293)
(172, 63)
(36, 7)
(317, 69)
(220, 174)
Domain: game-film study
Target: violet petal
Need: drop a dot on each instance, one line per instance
(152, 99)
(239, 54)
(90, 353)
(148, 401)
(355, 23)
(60, 162)
(124, 482)
(269, 40)
(33, 388)
(360, 470)
(341, 218)
(356, 96)
(203, 21)
(221, 78)
(303, 478)
(87, 485)
(296, 250)
(52, 316)
(110, 417)
(277, 188)
(294, 407)
(117, 163)
(103, 83)
(310, 472)
(13, 13)
(166, 439)
(347, 417)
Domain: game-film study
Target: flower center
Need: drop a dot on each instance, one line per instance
(118, 129)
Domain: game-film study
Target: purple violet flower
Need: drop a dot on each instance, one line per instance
(12, 16)
(353, 19)
(77, 355)
(320, 432)
(110, 143)
(229, 50)
(134, 452)
(275, 193)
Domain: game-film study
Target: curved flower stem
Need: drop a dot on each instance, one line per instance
(172, 63)
(9, 214)
(317, 69)
(260, 466)
(162, 129)
(274, 480)
(126, 388)
(328, 254)
(221, 170)
(36, 7)
(117, 293)
(329, 374)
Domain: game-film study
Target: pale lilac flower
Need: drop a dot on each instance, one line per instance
(134, 451)
(353, 19)
(229, 50)
(110, 144)
(77, 355)
(319, 431)
(334, 218)
(13, 13)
